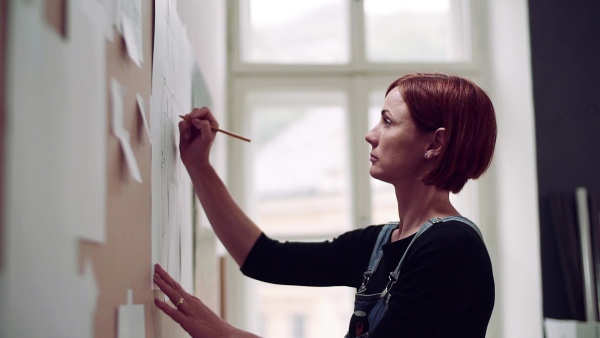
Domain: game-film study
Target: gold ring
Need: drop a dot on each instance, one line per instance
(179, 302)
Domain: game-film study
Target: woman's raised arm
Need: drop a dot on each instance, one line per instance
(235, 229)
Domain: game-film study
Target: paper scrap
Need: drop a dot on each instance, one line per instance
(131, 319)
(142, 110)
(119, 130)
(110, 12)
(87, 122)
(130, 20)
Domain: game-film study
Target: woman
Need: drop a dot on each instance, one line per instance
(428, 275)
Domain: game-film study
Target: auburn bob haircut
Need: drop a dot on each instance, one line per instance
(438, 100)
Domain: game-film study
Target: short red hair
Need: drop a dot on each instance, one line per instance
(438, 100)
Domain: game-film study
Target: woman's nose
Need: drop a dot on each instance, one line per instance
(370, 137)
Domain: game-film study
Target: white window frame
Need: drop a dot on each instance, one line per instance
(357, 63)
(358, 77)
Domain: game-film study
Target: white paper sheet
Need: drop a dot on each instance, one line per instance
(142, 110)
(171, 96)
(86, 120)
(117, 92)
(130, 20)
(110, 13)
(131, 319)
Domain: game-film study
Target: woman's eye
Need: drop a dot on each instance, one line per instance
(387, 121)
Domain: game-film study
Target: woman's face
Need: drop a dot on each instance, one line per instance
(398, 146)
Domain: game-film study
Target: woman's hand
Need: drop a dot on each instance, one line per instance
(193, 315)
(196, 137)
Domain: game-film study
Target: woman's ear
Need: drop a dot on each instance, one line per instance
(437, 142)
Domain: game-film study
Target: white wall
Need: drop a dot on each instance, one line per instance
(511, 205)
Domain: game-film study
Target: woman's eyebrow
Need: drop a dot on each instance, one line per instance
(386, 112)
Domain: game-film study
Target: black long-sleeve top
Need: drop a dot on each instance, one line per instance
(445, 288)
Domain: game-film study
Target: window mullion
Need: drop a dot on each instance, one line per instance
(357, 36)
(359, 149)
(234, 16)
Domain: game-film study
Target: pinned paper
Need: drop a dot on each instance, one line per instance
(110, 13)
(140, 104)
(86, 124)
(130, 12)
(131, 319)
(119, 130)
(172, 62)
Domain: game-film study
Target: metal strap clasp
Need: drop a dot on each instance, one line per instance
(366, 277)
(389, 285)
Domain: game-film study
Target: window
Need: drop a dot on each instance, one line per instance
(415, 31)
(291, 32)
(301, 177)
(307, 81)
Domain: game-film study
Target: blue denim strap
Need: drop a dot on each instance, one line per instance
(466, 221)
(377, 253)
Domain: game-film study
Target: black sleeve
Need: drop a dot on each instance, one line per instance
(338, 262)
(444, 272)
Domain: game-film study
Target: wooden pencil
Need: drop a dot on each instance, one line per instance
(227, 132)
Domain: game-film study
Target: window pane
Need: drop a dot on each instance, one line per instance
(417, 31)
(301, 186)
(383, 199)
(294, 311)
(301, 170)
(292, 32)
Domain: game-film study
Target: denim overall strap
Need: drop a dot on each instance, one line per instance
(466, 221)
(377, 253)
(396, 273)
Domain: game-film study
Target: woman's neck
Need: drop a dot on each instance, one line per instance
(417, 204)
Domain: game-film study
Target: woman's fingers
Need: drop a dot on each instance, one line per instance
(193, 315)
(173, 295)
(171, 288)
(184, 129)
(165, 276)
(196, 128)
(177, 316)
(202, 113)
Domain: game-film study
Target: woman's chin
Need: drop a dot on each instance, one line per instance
(376, 174)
